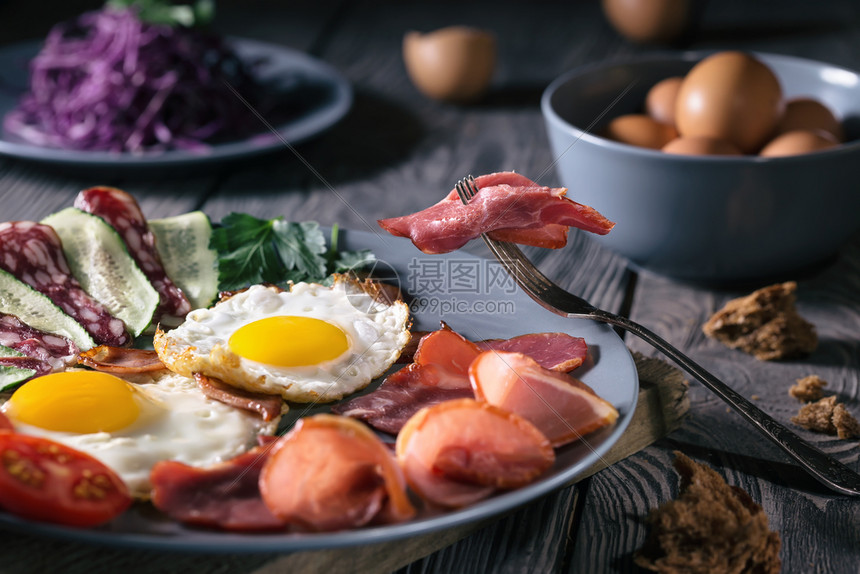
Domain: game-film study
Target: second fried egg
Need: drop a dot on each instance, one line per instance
(132, 426)
(311, 343)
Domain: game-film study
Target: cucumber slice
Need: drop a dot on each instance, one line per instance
(100, 261)
(36, 310)
(182, 242)
(10, 376)
(10, 352)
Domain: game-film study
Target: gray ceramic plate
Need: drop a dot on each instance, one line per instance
(475, 297)
(324, 93)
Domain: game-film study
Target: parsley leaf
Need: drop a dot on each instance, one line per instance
(341, 261)
(189, 15)
(252, 250)
(301, 247)
(245, 251)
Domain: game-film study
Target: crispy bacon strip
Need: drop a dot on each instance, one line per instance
(267, 406)
(511, 208)
(121, 360)
(438, 374)
(407, 354)
(225, 496)
(33, 253)
(562, 407)
(389, 407)
(332, 473)
(555, 351)
(122, 212)
(457, 452)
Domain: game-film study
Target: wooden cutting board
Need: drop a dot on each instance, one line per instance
(662, 404)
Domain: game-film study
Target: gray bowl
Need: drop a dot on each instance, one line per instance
(703, 218)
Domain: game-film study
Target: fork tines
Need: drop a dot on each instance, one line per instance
(466, 189)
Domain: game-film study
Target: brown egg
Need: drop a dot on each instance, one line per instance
(640, 130)
(730, 96)
(649, 21)
(660, 101)
(798, 142)
(453, 64)
(809, 114)
(699, 145)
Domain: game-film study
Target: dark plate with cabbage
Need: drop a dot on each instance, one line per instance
(111, 89)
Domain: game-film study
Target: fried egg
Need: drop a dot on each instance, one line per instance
(311, 343)
(128, 426)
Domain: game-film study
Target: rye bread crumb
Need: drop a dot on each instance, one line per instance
(764, 324)
(710, 528)
(808, 389)
(829, 417)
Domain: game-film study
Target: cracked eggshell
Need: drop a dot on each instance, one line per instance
(451, 64)
(650, 21)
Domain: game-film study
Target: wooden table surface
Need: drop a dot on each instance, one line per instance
(397, 152)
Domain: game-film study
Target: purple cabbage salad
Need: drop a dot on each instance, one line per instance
(111, 81)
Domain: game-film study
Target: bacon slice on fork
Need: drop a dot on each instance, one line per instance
(508, 206)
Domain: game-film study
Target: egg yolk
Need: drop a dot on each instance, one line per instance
(289, 341)
(75, 401)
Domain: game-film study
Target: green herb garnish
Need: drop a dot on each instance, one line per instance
(252, 250)
(197, 13)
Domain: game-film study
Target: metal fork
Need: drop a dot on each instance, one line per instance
(823, 467)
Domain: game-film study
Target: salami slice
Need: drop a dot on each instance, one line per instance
(54, 350)
(122, 212)
(33, 253)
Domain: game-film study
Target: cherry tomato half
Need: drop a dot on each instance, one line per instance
(47, 481)
(5, 423)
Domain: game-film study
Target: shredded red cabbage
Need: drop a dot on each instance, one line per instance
(111, 82)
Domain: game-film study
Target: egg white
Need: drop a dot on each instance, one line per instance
(176, 422)
(377, 332)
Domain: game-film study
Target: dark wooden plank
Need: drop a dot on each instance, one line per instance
(503, 546)
(711, 434)
(298, 24)
(829, 300)
(22, 21)
(29, 192)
